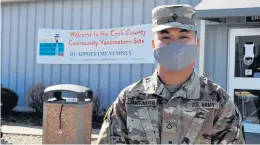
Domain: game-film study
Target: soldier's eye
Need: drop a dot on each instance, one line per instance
(165, 37)
(184, 37)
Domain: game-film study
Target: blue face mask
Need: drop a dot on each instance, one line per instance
(175, 56)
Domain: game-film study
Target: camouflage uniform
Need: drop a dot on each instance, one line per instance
(200, 112)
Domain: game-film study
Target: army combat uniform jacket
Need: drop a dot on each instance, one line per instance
(200, 112)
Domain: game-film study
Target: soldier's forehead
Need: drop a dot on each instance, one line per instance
(175, 29)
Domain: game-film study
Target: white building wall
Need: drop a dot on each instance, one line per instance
(21, 20)
(216, 53)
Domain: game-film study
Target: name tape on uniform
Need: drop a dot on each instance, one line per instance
(204, 104)
(148, 102)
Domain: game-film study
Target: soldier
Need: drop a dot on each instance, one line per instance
(175, 105)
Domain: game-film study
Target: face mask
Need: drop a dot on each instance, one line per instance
(175, 56)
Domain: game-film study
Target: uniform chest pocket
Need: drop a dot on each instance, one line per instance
(197, 117)
(142, 123)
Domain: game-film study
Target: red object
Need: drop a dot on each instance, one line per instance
(167, 115)
(62, 54)
(153, 44)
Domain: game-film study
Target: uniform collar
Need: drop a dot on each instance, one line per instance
(189, 90)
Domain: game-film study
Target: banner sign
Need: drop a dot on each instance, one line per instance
(124, 45)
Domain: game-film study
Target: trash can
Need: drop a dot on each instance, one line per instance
(66, 121)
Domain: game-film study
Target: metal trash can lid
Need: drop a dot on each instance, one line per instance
(67, 87)
(82, 93)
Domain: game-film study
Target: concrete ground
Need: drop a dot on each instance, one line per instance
(251, 138)
(33, 130)
(31, 134)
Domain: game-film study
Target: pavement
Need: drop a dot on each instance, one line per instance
(35, 130)
(251, 138)
(26, 130)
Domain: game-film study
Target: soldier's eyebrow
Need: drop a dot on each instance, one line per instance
(164, 32)
(184, 30)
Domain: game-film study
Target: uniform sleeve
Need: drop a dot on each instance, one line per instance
(114, 130)
(227, 128)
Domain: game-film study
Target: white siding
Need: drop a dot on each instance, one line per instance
(20, 22)
(216, 53)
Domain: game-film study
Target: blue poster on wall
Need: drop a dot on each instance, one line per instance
(51, 49)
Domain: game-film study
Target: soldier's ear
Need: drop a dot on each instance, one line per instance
(193, 63)
(198, 41)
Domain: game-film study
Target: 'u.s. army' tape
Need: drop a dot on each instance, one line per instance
(203, 104)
